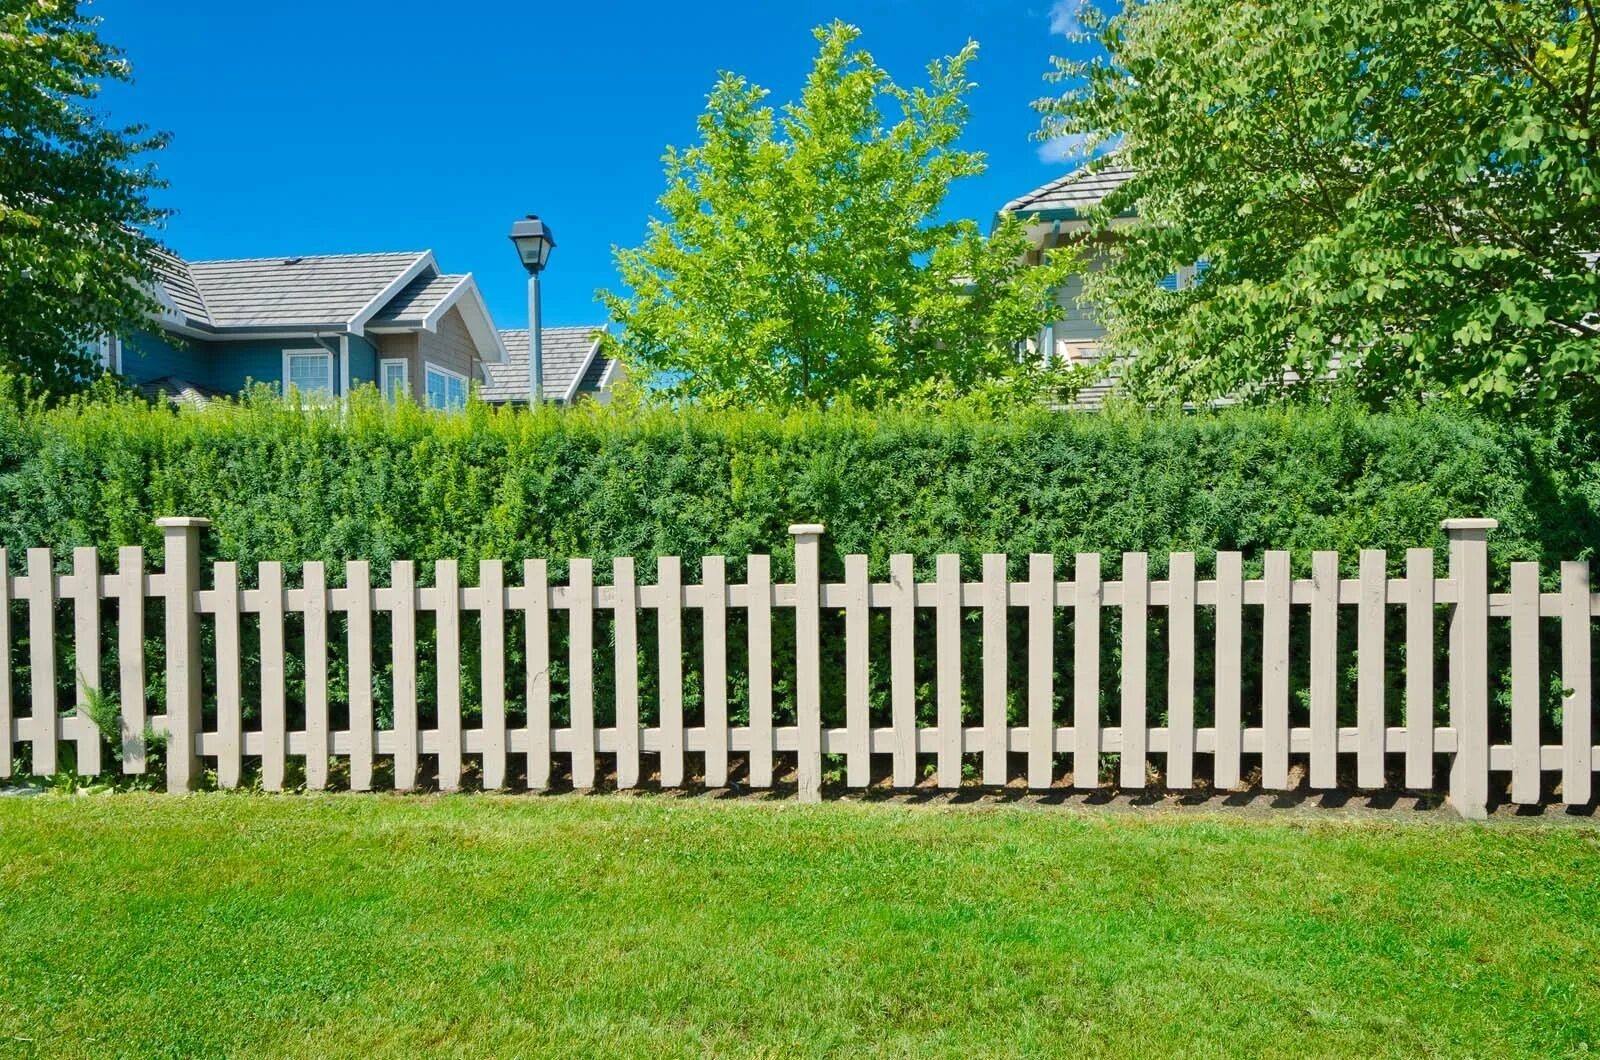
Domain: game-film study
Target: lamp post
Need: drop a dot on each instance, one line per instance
(534, 242)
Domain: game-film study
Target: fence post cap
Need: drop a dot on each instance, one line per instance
(801, 529)
(1450, 525)
(179, 522)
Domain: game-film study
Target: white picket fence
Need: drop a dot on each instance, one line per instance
(1095, 728)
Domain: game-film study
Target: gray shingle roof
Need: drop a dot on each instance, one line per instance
(590, 384)
(565, 350)
(176, 280)
(417, 299)
(1082, 189)
(325, 289)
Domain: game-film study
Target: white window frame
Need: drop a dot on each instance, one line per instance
(429, 368)
(384, 365)
(310, 351)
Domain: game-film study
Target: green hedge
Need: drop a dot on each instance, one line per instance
(381, 483)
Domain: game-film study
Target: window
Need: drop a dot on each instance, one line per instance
(394, 379)
(308, 371)
(105, 352)
(446, 389)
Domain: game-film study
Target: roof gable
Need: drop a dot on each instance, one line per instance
(1078, 192)
(567, 353)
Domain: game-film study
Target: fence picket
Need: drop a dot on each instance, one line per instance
(1089, 594)
(42, 659)
(1524, 683)
(1275, 672)
(447, 638)
(995, 593)
(669, 640)
(1135, 759)
(492, 669)
(230, 712)
(947, 648)
(358, 645)
(1228, 691)
(808, 657)
(714, 592)
(1577, 751)
(274, 721)
(536, 648)
(1324, 670)
(1420, 593)
(858, 740)
(319, 740)
(6, 712)
(86, 653)
(759, 589)
(902, 667)
(1371, 629)
(580, 667)
(1469, 665)
(625, 624)
(403, 662)
(1180, 670)
(1041, 669)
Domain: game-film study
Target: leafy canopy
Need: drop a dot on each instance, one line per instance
(1411, 188)
(801, 260)
(75, 256)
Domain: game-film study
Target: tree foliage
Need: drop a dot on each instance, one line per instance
(801, 258)
(75, 253)
(1410, 188)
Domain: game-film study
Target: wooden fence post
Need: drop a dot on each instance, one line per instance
(808, 655)
(180, 581)
(1469, 664)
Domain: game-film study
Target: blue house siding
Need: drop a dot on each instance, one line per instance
(230, 367)
(147, 357)
(363, 362)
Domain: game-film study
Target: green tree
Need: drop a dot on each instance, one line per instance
(802, 260)
(1411, 188)
(75, 254)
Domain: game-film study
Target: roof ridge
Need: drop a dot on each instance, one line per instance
(412, 254)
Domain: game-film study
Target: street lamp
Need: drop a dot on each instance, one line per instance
(534, 242)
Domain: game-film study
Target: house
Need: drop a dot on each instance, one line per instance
(325, 325)
(574, 369)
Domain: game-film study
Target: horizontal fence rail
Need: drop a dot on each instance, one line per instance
(206, 720)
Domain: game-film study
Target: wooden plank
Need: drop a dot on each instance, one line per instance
(759, 578)
(492, 669)
(580, 667)
(1229, 670)
(1324, 669)
(7, 711)
(808, 658)
(903, 667)
(1275, 671)
(1180, 670)
(358, 645)
(42, 659)
(1135, 644)
(625, 627)
(86, 652)
(536, 648)
(129, 591)
(274, 718)
(319, 738)
(714, 594)
(403, 660)
(1090, 592)
(1577, 749)
(669, 643)
(1370, 683)
(1041, 669)
(858, 746)
(996, 596)
(1419, 596)
(947, 648)
(1469, 665)
(230, 708)
(1525, 683)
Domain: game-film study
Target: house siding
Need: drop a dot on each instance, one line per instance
(451, 348)
(363, 362)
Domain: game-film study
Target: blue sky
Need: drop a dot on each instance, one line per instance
(331, 126)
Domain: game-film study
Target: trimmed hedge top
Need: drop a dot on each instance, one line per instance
(385, 483)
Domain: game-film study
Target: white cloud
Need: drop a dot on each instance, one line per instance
(1072, 147)
(1064, 17)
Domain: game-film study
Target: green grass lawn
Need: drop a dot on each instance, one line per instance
(341, 925)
